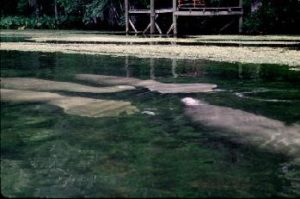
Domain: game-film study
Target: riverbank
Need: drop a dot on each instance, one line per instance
(121, 45)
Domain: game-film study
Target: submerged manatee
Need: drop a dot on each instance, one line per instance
(48, 85)
(152, 85)
(246, 127)
(81, 106)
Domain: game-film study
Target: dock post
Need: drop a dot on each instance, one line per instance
(241, 17)
(152, 17)
(174, 18)
(126, 16)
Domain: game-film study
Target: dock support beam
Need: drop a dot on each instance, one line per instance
(241, 17)
(152, 17)
(174, 18)
(176, 12)
(127, 16)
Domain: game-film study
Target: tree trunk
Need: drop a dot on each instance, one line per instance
(34, 4)
(55, 10)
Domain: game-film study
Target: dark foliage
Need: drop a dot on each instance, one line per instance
(261, 16)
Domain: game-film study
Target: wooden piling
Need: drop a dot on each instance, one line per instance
(176, 12)
(126, 16)
(152, 17)
(241, 17)
(174, 17)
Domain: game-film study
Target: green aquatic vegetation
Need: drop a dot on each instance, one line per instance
(15, 180)
(15, 22)
(112, 155)
(10, 142)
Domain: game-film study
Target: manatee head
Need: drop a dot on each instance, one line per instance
(126, 87)
(188, 101)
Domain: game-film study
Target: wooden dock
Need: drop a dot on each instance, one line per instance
(187, 9)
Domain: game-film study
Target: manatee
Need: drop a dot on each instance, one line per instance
(152, 85)
(245, 127)
(48, 85)
(81, 106)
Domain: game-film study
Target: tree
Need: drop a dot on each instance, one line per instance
(55, 10)
(110, 11)
(35, 5)
(255, 5)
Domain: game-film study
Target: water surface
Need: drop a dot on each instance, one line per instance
(47, 153)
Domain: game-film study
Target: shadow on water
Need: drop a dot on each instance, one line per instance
(13, 39)
(47, 153)
(287, 44)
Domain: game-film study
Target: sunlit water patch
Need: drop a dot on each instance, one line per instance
(157, 150)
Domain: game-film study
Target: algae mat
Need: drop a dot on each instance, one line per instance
(262, 55)
(80, 106)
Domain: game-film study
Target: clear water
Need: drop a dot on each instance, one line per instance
(47, 153)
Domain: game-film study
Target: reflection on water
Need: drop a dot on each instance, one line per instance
(47, 153)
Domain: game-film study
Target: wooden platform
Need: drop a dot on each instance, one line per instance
(209, 11)
(178, 11)
(206, 11)
(146, 11)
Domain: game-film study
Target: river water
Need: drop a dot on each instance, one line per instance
(155, 152)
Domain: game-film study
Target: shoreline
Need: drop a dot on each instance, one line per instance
(39, 41)
(245, 55)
